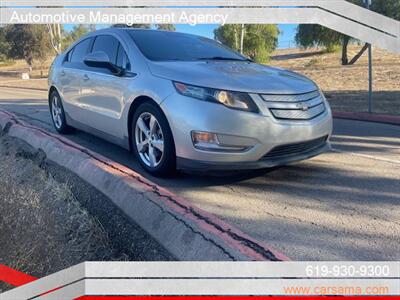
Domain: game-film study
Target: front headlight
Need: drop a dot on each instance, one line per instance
(235, 100)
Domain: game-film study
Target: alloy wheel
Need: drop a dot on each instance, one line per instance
(56, 112)
(149, 139)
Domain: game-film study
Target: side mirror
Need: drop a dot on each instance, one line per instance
(100, 59)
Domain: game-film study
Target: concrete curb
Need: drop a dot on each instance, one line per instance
(187, 232)
(360, 116)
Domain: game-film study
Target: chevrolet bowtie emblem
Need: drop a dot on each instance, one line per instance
(302, 106)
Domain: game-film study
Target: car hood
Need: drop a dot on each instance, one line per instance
(235, 76)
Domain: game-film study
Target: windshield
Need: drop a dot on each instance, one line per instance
(162, 45)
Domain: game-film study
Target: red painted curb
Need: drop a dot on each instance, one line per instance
(360, 116)
(14, 277)
(231, 236)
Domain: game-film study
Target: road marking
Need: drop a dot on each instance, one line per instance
(393, 161)
(364, 139)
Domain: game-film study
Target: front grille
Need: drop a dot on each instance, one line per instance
(295, 149)
(291, 98)
(298, 114)
(300, 107)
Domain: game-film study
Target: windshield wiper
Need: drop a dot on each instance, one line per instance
(224, 58)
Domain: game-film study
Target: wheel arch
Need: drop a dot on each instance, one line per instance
(134, 105)
(51, 90)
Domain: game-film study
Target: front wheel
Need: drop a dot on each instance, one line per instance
(58, 113)
(152, 140)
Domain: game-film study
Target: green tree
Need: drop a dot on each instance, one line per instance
(389, 8)
(4, 45)
(168, 27)
(77, 31)
(317, 35)
(29, 42)
(257, 41)
(310, 35)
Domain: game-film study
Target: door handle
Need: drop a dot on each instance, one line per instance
(85, 77)
(62, 73)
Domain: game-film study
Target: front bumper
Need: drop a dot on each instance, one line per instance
(261, 132)
(195, 165)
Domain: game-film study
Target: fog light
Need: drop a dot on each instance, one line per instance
(208, 141)
(204, 137)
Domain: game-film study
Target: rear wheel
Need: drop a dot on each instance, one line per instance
(152, 140)
(58, 114)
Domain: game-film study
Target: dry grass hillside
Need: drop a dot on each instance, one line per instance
(346, 86)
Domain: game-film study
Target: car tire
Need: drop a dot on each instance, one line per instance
(152, 140)
(58, 114)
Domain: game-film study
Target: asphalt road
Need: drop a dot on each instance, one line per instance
(343, 205)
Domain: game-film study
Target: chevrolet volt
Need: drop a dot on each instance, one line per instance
(181, 101)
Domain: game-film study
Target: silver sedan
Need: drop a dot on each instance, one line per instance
(181, 101)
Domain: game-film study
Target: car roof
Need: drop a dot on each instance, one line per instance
(130, 29)
(116, 30)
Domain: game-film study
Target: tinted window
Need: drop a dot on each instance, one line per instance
(122, 58)
(80, 51)
(107, 44)
(161, 45)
